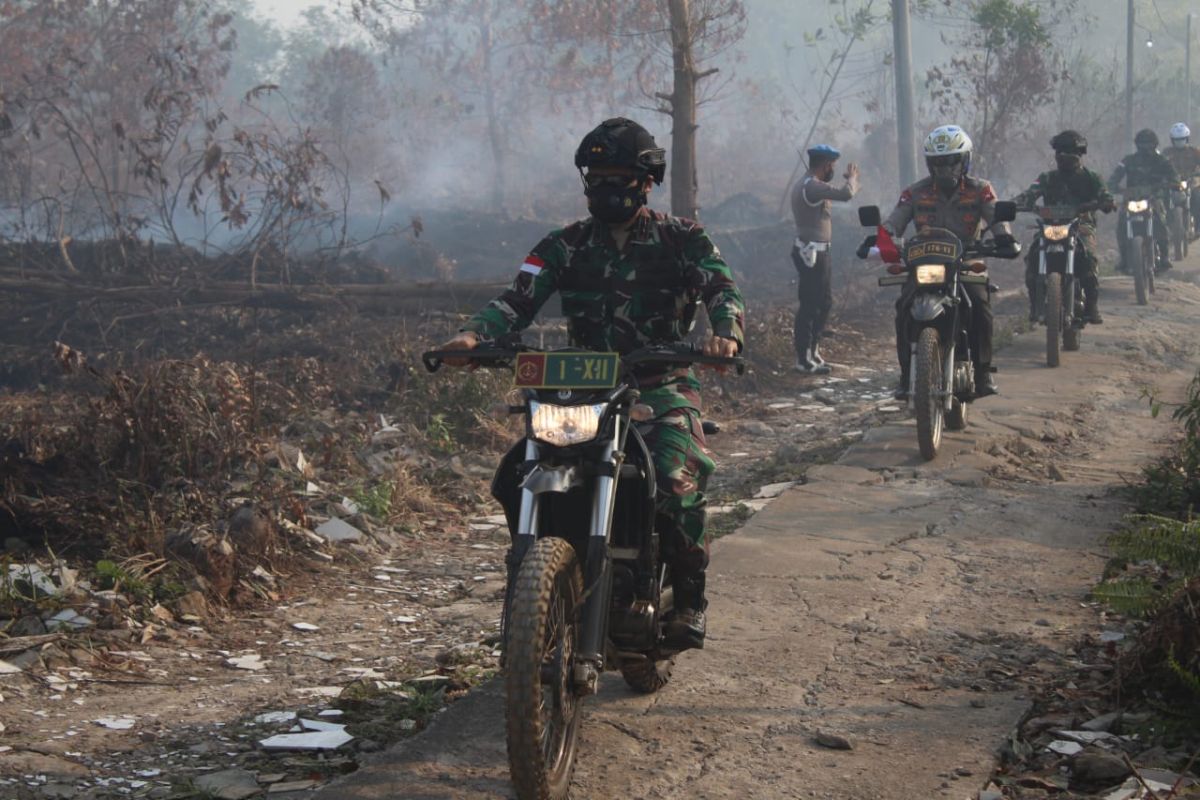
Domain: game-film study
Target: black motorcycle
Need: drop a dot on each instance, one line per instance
(1058, 292)
(1182, 225)
(588, 589)
(941, 374)
(1139, 240)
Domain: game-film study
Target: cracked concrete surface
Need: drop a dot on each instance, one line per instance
(904, 605)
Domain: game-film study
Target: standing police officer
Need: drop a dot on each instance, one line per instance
(811, 200)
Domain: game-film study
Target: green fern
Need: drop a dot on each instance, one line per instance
(1188, 678)
(1133, 596)
(1169, 542)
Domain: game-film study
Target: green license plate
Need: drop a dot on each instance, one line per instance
(566, 370)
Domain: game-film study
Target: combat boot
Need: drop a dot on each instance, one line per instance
(985, 384)
(1091, 309)
(686, 628)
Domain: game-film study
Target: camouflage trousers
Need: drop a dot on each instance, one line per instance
(682, 465)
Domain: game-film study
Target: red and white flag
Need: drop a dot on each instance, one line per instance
(533, 265)
(888, 252)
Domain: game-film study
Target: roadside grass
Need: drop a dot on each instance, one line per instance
(1154, 575)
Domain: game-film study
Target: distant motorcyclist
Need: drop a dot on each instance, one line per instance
(1186, 160)
(950, 198)
(1148, 169)
(1071, 184)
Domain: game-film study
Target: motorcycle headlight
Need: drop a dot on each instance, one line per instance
(931, 273)
(1183, 186)
(564, 425)
(1137, 206)
(1056, 233)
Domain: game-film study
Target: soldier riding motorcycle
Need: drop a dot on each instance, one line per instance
(1148, 177)
(1060, 268)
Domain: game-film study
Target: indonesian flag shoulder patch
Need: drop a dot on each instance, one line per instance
(533, 265)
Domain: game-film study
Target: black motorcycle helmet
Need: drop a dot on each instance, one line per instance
(1070, 142)
(621, 142)
(1146, 140)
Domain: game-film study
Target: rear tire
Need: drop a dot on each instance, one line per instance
(647, 677)
(1054, 317)
(956, 420)
(927, 387)
(542, 712)
(1179, 233)
(1137, 265)
(1071, 338)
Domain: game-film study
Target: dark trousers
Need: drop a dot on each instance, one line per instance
(979, 325)
(815, 294)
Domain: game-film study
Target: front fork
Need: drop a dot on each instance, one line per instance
(597, 579)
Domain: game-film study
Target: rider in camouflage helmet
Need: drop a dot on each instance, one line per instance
(628, 277)
(1148, 170)
(1071, 184)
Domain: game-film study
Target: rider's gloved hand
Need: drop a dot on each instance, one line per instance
(465, 340)
(1006, 246)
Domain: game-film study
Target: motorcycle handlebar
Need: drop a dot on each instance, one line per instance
(493, 356)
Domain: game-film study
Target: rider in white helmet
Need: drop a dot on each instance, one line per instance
(950, 198)
(1186, 161)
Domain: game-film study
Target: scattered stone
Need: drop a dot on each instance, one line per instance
(1064, 748)
(314, 740)
(1092, 768)
(336, 530)
(1132, 789)
(116, 723)
(833, 741)
(292, 786)
(229, 784)
(274, 717)
(1055, 474)
(8, 668)
(754, 427)
(307, 627)
(250, 661)
(1111, 636)
(1104, 722)
(773, 490)
(1085, 737)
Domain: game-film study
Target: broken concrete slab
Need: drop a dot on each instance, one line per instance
(315, 740)
(336, 530)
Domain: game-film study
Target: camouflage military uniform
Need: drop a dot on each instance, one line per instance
(1058, 188)
(964, 214)
(620, 300)
(1150, 171)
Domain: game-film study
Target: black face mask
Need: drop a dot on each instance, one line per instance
(610, 203)
(1068, 162)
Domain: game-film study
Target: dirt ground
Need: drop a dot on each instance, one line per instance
(908, 607)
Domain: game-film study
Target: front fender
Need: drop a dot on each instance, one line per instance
(542, 479)
(928, 307)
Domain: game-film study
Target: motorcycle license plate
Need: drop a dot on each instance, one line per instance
(1055, 248)
(566, 370)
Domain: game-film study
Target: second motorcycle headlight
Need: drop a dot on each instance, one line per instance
(931, 273)
(564, 425)
(1137, 206)
(1056, 233)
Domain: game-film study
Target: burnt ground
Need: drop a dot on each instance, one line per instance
(888, 571)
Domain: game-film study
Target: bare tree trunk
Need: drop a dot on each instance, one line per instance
(493, 121)
(683, 114)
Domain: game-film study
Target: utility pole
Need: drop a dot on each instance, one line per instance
(1187, 74)
(905, 118)
(1129, 77)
